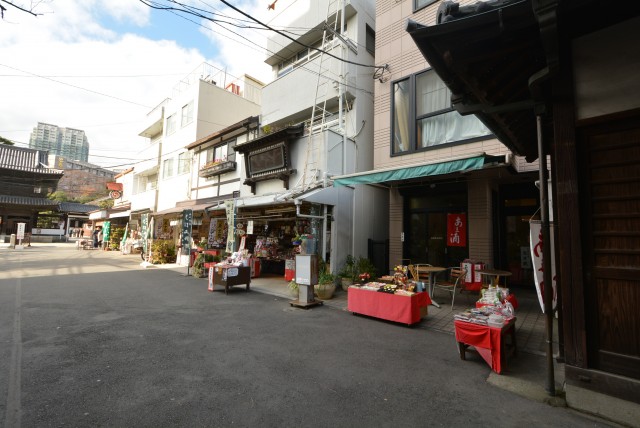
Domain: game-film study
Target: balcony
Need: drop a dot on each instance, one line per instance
(216, 168)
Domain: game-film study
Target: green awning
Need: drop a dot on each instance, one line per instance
(407, 173)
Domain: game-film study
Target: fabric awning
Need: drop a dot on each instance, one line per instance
(412, 171)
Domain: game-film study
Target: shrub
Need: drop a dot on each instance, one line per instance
(163, 251)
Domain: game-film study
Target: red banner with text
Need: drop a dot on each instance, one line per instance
(457, 230)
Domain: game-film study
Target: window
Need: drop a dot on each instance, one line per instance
(371, 40)
(187, 114)
(419, 4)
(423, 117)
(183, 163)
(171, 124)
(167, 168)
(222, 152)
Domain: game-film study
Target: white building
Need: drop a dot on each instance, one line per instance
(205, 101)
(288, 167)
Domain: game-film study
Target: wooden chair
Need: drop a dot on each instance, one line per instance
(413, 271)
(454, 281)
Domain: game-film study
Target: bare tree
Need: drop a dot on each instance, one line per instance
(30, 9)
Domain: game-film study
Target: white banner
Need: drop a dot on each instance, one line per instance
(20, 231)
(538, 262)
(230, 207)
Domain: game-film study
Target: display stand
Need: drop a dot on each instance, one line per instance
(307, 278)
(489, 342)
(391, 307)
(230, 276)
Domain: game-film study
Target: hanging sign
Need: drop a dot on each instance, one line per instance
(230, 208)
(457, 230)
(538, 262)
(106, 231)
(185, 237)
(250, 227)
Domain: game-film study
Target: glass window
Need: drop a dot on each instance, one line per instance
(436, 122)
(167, 168)
(183, 163)
(371, 40)
(401, 104)
(171, 124)
(187, 114)
(419, 4)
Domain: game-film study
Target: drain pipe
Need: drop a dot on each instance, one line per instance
(535, 83)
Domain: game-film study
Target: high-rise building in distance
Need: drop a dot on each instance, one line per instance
(69, 143)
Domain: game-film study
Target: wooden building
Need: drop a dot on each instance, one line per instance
(562, 75)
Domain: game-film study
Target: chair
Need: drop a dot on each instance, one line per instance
(455, 280)
(413, 271)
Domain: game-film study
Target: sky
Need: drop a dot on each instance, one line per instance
(101, 66)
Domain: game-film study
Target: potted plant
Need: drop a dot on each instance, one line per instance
(326, 282)
(293, 288)
(364, 265)
(198, 266)
(347, 273)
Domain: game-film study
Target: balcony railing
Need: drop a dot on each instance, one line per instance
(217, 168)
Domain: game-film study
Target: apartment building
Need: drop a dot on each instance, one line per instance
(317, 122)
(69, 143)
(203, 102)
(456, 192)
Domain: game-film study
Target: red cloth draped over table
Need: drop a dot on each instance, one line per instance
(486, 340)
(391, 307)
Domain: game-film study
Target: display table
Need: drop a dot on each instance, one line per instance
(228, 276)
(489, 342)
(391, 307)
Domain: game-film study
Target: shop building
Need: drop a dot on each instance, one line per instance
(167, 181)
(25, 181)
(317, 122)
(558, 79)
(441, 167)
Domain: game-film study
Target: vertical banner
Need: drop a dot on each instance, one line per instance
(230, 207)
(539, 262)
(211, 240)
(185, 236)
(457, 230)
(106, 231)
(144, 230)
(20, 231)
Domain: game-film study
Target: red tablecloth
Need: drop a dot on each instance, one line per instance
(391, 307)
(488, 341)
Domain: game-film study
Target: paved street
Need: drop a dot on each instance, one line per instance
(89, 338)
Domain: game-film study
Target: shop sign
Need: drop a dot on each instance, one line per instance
(185, 237)
(538, 262)
(144, 230)
(457, 230)
(20, 231)
(230, 207)
(106, 231)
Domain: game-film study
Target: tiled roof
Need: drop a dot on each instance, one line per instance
(27, 200)
(23, 159)
(76, 207)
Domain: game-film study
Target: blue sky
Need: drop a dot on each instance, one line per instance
(101, 66)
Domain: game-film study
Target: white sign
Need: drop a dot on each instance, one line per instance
(20, 231)
(538, 262)
(250, 227)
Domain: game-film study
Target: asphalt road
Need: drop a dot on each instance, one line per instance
(89, 338)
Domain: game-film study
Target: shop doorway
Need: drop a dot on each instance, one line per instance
(425, 236)
(518, 203)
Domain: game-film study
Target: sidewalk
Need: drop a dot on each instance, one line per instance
(525, 375)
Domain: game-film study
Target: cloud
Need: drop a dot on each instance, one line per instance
(70, 68)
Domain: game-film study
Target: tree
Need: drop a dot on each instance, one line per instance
(20, 8)
(6, 141)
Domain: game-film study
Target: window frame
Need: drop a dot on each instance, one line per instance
(171, 124)
(417, 6)
(370, 33)
(189, 110)
(184, 158)
(168, 165)
(414, 119)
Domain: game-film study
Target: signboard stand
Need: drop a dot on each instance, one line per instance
(20, 236)
(307, 278)
(185, 238)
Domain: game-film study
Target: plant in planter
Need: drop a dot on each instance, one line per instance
(293, 288)
(326, 282)
(347, 273)
(364, 265)
(198, 266)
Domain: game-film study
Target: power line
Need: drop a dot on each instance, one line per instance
(77, 87)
